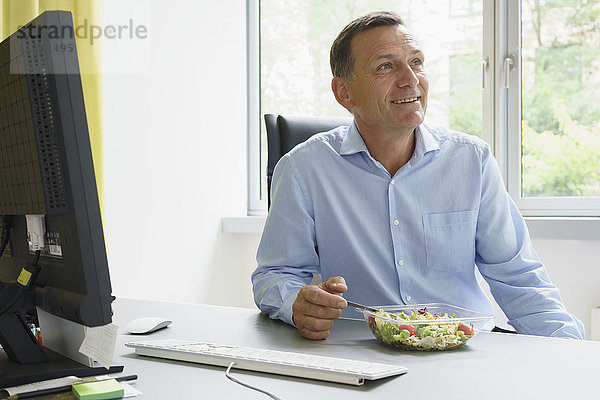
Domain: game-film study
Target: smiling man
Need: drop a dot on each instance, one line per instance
(391, 211)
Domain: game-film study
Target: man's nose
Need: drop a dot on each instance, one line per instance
(405, 76)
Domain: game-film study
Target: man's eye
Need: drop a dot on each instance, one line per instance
(417, 63)
(384, 66)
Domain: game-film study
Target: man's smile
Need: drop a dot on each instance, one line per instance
(407, 100)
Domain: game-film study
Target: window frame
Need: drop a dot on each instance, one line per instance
(256, 204)
(501, 119)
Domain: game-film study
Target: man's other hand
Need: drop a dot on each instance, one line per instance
(317, 306)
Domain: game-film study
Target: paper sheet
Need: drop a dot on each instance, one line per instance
(99, 344)
(130, 391)
(51, 383)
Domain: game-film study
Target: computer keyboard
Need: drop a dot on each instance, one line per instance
(300, 365)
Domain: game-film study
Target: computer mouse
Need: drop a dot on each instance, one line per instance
(143, 326)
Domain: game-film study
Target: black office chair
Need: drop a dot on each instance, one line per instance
(283, 133)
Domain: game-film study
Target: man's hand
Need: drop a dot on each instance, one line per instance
(317, 306)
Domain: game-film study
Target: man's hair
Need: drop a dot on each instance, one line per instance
(341, 58)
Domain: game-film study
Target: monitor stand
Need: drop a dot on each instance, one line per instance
(23, 360)
(57, 366)
(18, 341)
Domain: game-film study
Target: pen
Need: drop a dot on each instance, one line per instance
(66, 388)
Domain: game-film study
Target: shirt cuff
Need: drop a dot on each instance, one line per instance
(286, 313)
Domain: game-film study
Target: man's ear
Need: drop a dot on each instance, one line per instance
(341, 92)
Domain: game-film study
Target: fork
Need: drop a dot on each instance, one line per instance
(360, 306)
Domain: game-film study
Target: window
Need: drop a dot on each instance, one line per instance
(543, 127)
(465, 85)
(555, 106)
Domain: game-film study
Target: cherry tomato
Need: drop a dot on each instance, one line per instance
(411, 329)
(467, 329)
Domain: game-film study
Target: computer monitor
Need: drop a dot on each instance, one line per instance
(47, 174)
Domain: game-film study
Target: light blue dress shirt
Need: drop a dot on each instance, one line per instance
(415, 237)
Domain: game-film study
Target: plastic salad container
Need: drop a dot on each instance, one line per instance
(424, 327)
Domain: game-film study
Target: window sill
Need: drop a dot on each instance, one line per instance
(565, 228)
(244, 224)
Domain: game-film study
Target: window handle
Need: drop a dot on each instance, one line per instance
(484, 65)
(508, 65)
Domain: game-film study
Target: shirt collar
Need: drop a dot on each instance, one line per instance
(353, 142)
(424, 143)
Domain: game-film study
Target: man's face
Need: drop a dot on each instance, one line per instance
(389, 90)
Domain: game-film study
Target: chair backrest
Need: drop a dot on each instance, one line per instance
(283, 133)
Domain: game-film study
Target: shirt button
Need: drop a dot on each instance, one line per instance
(396, 222)
(400, 262)
(408, 298)
(393, 181)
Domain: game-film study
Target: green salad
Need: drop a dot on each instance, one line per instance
(420, 330)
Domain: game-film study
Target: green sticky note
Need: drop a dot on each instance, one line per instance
(103, 390)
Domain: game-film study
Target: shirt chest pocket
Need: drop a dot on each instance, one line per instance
(450, 239)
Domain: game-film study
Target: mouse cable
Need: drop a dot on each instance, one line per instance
(6, 223)
(36, 257)
(228, 375)
(28, 274)
(25, 280)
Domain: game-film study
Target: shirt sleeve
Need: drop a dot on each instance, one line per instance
(287, 258)
(505, 257)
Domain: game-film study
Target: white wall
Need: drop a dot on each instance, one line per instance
(175, 155)
(175, 163)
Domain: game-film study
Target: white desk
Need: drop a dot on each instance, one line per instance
(490, 366)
